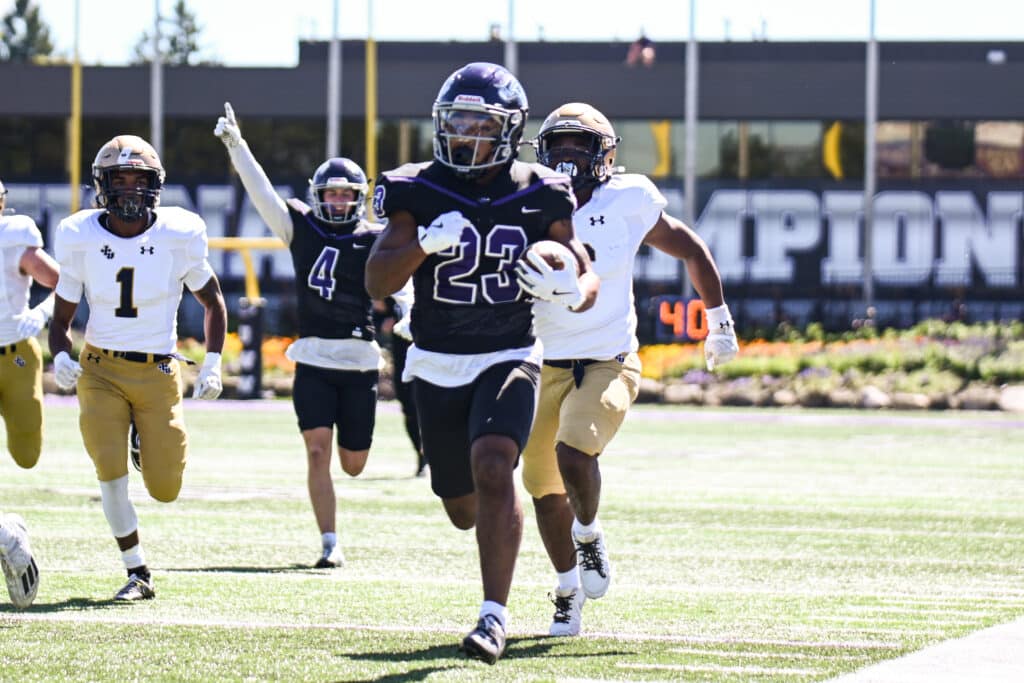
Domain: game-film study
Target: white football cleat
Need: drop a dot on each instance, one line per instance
(19, 567)
(568, 617)
(595, 567)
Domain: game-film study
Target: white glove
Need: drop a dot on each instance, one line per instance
(31, 322)
(208, 385)
(443, 233)
(66, 371)
(227, 128)
(403, 327)
(557, 286)
(720, 346)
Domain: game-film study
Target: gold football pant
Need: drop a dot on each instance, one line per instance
(21, 399)
(585, 417)
(111, 391)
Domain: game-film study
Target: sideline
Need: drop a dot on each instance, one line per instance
(994, 655)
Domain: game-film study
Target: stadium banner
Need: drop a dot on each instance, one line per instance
(787, 251)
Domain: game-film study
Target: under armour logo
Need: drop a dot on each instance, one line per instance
(107, 251)
(93, 357)
(142, 250)
(595, 220)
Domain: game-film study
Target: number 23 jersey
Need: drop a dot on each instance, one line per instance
(467, 297)
(133, 285)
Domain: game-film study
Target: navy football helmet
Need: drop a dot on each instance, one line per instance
(343, 174)
(479, 116)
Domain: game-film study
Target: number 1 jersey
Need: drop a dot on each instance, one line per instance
(133, 285)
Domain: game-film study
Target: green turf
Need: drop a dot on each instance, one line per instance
(748, 546)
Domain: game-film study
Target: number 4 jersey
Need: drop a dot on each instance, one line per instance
(467, 297)
(133, 285)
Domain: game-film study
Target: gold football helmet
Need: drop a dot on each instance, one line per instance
(127, 153)
(590, 166)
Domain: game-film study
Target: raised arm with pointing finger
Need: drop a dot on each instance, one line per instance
(268, 203)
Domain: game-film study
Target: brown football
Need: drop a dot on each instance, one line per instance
(554, 253)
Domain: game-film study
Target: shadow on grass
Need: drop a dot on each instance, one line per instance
(516, 648)
(71, 604)
(248, 569)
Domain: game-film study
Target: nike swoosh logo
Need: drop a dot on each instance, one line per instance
(560, 293)
(526, 210)
(359, 246)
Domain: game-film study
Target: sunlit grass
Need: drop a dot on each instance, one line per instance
(748, 545)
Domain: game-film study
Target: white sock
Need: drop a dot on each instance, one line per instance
(329, 540)
(495, 609)
(133, 557)
(581, 530)
(118, 508)
(569, 580)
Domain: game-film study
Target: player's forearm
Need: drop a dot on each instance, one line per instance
(387, 270)
(59, 336)
(590, 284)
(215, 328)
(705, 278)
(268, 203)
(215, 318)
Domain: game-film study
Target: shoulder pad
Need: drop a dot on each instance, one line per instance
(178, 220)
(19, 230)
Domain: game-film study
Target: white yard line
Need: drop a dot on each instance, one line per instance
(994, 655)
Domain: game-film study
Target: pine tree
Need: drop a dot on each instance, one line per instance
(179, 40)
(23, 34)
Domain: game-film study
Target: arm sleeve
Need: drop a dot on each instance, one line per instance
(198, 269)
(268, 203)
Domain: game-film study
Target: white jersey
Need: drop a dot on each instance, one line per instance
(614, 224)
(17, 233)
(133, 285)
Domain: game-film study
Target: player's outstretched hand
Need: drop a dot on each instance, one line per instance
(444, 232)
(209, 385)
(720, 346)
(227, 128)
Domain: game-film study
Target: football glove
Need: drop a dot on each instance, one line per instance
(557, 286)
(403, 327)
(443, 233)
(720, 346)
(66, 371)
(31, 322)
(208, 385)
(227, 128)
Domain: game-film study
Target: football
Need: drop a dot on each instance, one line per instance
(554, 253)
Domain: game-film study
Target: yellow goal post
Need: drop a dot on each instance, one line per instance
(250, 313)
(244, 246)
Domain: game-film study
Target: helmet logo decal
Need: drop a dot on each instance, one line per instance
(125, 156)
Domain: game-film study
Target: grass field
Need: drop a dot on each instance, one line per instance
(748, 546)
